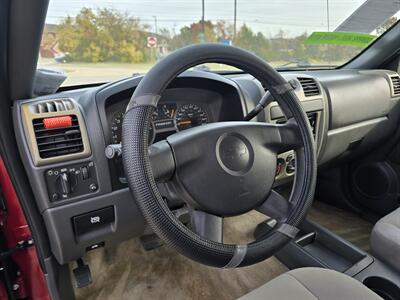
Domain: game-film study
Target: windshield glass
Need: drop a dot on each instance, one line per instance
(95, 41)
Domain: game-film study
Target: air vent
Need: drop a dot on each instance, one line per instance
(310, 86)
(53, 141)
(312, 119)
(53, 106)
(396, 84)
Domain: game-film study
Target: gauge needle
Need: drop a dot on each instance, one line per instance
(185, 122)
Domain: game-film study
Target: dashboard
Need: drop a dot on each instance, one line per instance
(62, 140)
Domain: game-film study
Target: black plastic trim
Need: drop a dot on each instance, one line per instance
(315, 246)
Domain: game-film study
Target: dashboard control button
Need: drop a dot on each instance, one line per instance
(70, 181)
(85, 173)
(93, 187)
(291, 167)
(90, 221)
(289, 157)
(113, 151)
(279, 166)
(64, 183)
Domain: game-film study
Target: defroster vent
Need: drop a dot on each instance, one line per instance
(310, 86)
(52, 106)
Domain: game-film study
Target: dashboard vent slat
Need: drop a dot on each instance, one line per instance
(42, 129)
(310, 86)
(55, 142)
(52, 106)
(396, 84)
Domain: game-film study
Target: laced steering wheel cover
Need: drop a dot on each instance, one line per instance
(139, 172)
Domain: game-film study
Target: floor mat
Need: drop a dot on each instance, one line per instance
(345, 224)
(129, 272)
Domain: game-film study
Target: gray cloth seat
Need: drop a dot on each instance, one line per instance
(385, 239)
(312, 284)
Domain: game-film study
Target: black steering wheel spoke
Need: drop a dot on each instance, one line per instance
(290, 136)
(207, 225)
(162, 161)
(275, 206)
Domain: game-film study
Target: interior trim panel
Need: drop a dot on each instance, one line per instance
(52, 110)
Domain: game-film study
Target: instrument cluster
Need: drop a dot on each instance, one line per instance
(167, 119)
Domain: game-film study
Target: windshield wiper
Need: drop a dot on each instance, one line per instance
(297, 63)
(303, 64)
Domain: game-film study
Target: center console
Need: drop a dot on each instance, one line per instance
(315, 246)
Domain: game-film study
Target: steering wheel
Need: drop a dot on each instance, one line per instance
(220, 169)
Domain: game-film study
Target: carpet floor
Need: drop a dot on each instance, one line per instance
(126, 271)
(345, 224)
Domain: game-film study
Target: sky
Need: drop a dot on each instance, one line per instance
(267, 16)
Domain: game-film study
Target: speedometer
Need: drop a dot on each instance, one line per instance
(190, 115)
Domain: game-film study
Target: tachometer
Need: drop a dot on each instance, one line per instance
(116, 127)
(190, 115)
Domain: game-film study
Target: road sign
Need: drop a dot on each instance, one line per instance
(226, 42)
(151, 41)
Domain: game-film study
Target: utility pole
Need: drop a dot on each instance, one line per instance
(328, 23)
(234, 19)
(155, 49)
(155, 25)
(327, 14)
(203, 34)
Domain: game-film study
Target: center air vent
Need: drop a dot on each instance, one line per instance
(58, 136)
(52, 106)
(310, 86)
(312, 119)
(396, 84)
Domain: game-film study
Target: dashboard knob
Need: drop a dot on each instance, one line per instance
(64, 184)
(291, 166)
(113, 151)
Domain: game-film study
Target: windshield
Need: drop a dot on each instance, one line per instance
(96, 41)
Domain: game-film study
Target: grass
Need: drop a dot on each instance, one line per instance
(81, 73)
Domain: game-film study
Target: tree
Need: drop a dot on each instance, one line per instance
(192, 35)
(102, 35)
(105, 35)
(254, 42)
(224, 30)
